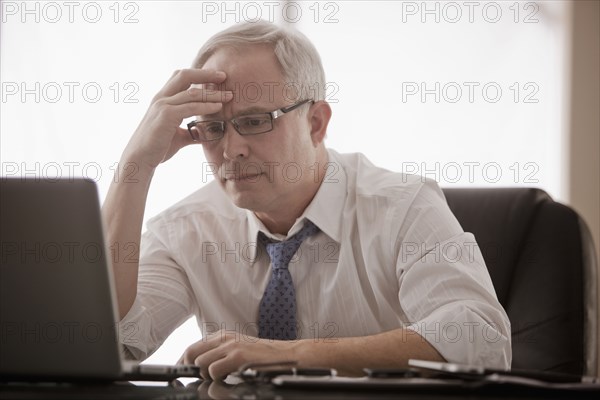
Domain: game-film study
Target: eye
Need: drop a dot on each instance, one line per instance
(210, 130)
(254, 122)
(213, 128)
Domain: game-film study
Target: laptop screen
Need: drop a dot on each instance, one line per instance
(56, 303)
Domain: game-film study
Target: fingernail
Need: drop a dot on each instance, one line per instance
(220, 74)
(194, 91)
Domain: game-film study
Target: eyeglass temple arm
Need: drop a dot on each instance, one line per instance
(284, 110)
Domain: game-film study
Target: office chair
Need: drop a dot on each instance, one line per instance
(541, 260)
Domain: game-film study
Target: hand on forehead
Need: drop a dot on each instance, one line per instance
(253, 75)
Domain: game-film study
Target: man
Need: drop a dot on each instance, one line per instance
(380, 270)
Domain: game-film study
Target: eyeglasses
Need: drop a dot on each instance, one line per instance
(252, 124)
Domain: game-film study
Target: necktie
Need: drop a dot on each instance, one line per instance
(277, 311)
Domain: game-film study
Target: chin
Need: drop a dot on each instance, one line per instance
(248, 199)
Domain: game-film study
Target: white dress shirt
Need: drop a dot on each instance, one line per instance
(390, 254)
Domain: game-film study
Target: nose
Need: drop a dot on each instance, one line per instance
(235, 146)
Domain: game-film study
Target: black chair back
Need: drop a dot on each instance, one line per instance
(537, 253)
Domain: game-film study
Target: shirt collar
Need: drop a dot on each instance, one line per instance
(327, 207)
(325, 210)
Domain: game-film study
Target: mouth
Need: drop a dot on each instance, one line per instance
(242, 178)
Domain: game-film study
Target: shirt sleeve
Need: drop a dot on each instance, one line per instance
(445, 288)
(164, 296)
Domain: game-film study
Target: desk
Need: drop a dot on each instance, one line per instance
(225, 390)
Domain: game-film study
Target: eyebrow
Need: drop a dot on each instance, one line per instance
(254, 110)
(247, 111)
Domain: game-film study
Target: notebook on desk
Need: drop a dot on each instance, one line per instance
(57, 302)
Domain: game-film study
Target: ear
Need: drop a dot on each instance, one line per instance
(319, 115)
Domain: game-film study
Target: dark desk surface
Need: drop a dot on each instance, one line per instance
(222, 390)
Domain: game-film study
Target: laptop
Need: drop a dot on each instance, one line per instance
(57, 301)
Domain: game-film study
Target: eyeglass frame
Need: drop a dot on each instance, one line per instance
(273, 114)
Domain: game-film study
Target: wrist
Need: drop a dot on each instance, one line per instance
(302, 351)
(131, 170)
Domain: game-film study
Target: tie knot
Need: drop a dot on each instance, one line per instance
(282, 252)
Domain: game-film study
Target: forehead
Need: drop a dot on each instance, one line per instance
(253, 74)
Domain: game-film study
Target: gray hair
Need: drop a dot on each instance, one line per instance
(298, 58)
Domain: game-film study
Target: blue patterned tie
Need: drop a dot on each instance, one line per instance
(277, 311)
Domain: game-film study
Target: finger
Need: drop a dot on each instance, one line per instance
(181, 139)
(200, 347)
(219, 369)
(182, 79)
(174, 114)
(199, 95)
(207, 359)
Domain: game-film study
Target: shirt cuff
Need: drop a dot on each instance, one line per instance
(464, 337)
(133, 330)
